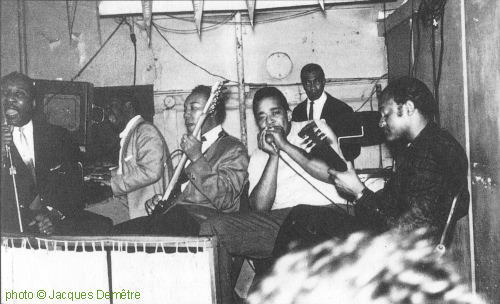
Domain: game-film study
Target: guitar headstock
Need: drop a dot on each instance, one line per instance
(214, 99)
(313, 133)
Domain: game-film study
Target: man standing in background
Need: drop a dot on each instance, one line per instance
(321, 105)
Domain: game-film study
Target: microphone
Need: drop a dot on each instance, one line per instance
(270, 140)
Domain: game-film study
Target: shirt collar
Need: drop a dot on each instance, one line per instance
(129, 125)
(27, 128)
(211, 136)
(318, 102)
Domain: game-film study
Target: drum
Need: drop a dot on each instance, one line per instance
(124, 269)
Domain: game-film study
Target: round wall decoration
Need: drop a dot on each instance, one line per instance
(279, 65)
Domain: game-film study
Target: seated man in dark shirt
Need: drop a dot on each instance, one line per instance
(45, 158)
(431, 168)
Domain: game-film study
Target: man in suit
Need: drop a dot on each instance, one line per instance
(214, 179)
(321, 105)
(144, 167)
(49, 184)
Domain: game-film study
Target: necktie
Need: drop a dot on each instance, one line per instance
(27, 157)
(311, 110)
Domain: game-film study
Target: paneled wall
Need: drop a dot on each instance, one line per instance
(343, 39)
(469, 108)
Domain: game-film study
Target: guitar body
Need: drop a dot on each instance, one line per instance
(322, 149)
(164, 206)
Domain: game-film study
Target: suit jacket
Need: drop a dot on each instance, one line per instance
(58, 177)
(335, 113)
(217, 180)
(146, 167)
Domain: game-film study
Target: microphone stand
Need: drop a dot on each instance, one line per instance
(12, 169)
(13, 172)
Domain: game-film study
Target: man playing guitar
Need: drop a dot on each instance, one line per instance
(210, 182)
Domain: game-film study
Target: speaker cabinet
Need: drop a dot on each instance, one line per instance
(66, 104)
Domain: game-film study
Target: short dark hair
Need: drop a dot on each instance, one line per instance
(408, 88)
(309, 68)
(124, 97)
(220, 107)
(269, 92)
(19, 76)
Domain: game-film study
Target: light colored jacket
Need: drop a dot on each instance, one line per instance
(146, 166)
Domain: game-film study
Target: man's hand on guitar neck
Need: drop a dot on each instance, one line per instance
(192, 147)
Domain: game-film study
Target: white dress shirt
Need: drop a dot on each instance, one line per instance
(123, 135)
(27, 152)
(318, 106)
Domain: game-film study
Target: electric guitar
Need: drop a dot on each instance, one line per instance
(322, 148)
(169, 199)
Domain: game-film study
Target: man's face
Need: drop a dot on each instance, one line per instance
(17, 101)
(394, 120)
(117, 115)
(270, 114)
(193, 108)
(313, 84)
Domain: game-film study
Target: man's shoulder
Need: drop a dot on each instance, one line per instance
(301, 106)
(231, 142)
(338, 104)
(439, 142)
(145, 126)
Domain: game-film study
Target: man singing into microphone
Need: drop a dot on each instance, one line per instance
(46, 170)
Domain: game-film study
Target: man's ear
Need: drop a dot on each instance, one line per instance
(410, 106)
(289, 115)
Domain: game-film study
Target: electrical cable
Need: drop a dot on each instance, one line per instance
(49, 99)
(440, 66)
(134, 42)
(204, 29)
(374, 90)
(185, 58)
(430, 11)
(226, 21)
(135, 56)
(412, 46)
(73, 19)
(315, 188)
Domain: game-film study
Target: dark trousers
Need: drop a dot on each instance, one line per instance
(176, 222)
(306, 226)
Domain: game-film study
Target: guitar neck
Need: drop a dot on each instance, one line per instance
(322, 148)
(196, 132)
(182, 162)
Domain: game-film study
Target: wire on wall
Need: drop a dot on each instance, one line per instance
(134, 42)
(185, 58)
(85, 66)
(430, 12)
